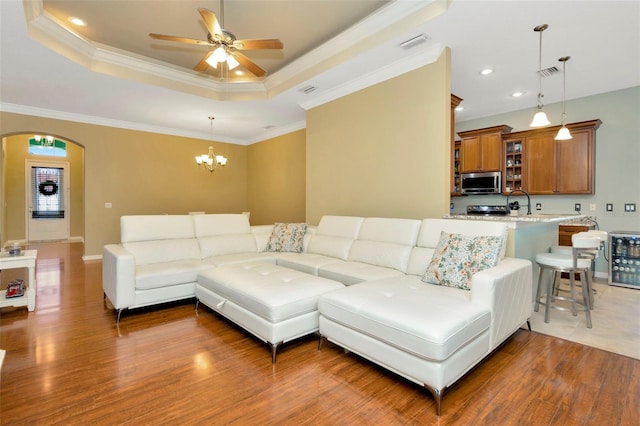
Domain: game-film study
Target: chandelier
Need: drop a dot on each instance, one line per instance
(211, 161)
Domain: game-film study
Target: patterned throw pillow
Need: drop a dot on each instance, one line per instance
(287, 237)
(458, 257)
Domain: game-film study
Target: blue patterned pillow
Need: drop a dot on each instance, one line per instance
(287, 237)
(458, 257)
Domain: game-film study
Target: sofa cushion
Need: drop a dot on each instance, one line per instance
(355, 272)
(270, 291)
(458, 257)
(336, 247)
(397, 312)
(156, 275)
(155, 227)
(206, 225)
(388, 255)
(340, 226)
(287, 237)
(158, 251)
(305, 262)
(419, 260)
(227, 244)
(227, 259)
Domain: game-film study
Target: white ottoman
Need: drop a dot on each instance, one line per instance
(274, 303)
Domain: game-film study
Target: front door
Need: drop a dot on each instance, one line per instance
(47, 201)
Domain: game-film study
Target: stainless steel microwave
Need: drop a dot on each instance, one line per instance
(481, 183)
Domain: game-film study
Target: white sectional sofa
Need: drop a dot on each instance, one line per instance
(358, 281)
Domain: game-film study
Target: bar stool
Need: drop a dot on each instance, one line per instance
(583, 252)
(602, 236)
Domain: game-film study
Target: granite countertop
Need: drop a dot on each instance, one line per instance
(566, 218)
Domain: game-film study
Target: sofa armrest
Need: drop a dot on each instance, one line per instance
(119, 275)
(506, 290)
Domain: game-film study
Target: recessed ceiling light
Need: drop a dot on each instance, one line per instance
(517, 94)
(459, 108)
(486, 71)
(77, 21)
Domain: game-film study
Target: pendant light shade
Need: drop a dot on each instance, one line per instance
(540, 119)
(564, 133)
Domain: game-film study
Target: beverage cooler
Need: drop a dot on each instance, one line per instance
(624, 268)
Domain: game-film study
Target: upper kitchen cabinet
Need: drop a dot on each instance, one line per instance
(481, 149)
(559, 167)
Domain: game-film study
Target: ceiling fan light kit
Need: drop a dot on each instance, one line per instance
(225, 46)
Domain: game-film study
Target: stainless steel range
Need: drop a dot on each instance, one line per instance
(488, 210)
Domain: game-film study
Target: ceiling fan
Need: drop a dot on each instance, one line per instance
(226, 46)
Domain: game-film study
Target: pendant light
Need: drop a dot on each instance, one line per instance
(563, 133)
(540, 119)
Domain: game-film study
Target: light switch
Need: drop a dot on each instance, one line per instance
(107, 205)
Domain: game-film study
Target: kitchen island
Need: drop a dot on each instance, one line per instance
(529, 235)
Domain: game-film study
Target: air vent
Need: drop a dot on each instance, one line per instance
(548, 72)
(412, 42)
(308, 89)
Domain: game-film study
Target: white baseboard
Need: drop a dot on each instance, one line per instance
(92, 257)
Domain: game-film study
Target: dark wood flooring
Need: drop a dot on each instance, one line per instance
(67, 363)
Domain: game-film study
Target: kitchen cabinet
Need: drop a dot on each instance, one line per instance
(565, 233)
(481, 149)
(560, 167)
(512, 176)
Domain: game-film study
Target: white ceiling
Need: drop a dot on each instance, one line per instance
(336, 46)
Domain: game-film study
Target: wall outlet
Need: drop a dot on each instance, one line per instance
(538, 206)
(609, 207)
(630, 207)
(107, 205)
(578, 207)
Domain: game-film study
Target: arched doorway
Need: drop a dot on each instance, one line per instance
(23, 172)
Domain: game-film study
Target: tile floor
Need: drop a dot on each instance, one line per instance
(615, 319)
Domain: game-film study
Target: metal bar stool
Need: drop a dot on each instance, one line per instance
(602, 235)
(584, 250)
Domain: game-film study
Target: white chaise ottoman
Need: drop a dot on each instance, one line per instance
(274, 303)
(426, 333)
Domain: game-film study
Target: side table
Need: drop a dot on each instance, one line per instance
(26, 259)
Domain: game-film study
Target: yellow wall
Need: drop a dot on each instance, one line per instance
(276, 179)
(16, 150)
(383, 151)
(140, 173)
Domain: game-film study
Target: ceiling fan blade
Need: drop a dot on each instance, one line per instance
(211, 21)
(178, 39)
(272, 43)
(248, 64)
(203, 64)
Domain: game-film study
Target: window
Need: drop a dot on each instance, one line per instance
(47, 145)
(47, 193)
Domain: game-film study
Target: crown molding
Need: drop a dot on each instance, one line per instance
(121, 124)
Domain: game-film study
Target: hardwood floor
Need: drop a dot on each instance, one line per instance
(67, 363)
